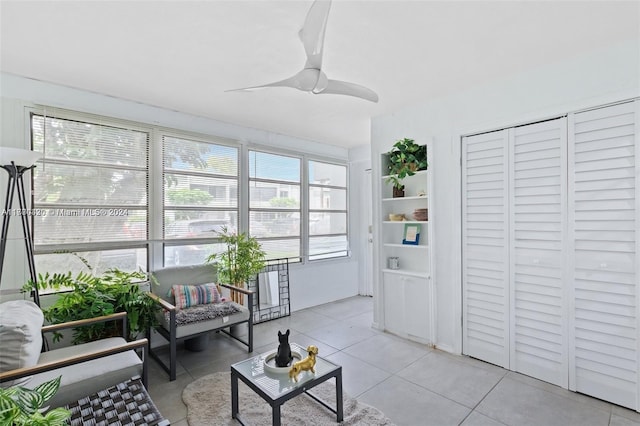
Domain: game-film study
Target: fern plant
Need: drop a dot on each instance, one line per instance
(21, 406)
(88, 296)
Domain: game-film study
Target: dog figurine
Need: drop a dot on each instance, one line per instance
(306, 364)
(283, 357)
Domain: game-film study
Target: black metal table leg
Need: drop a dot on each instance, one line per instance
(234, 395)
(275, 421)
(339, 408)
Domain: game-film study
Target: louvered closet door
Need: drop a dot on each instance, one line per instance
(485, 247)
(538, 218)
(603, 232)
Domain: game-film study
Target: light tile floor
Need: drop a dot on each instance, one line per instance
(412, 384)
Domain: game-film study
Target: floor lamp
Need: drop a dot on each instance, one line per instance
(16, 162)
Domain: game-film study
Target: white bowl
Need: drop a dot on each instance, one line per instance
(270, 362)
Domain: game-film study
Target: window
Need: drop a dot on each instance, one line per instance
(200, 198)
(93, 194)
(90, 195)
(274, 203)
(327, 210)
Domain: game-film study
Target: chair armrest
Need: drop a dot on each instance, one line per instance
(160, 301)
(72, 324)
(238, 289)
(72, 360)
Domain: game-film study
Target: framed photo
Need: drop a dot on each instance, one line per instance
(411, 234)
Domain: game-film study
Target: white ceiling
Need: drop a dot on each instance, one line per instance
(183, 55)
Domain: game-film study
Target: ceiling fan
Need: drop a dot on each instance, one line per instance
(312, 78)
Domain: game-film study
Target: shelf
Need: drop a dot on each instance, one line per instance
(416, 274)
(410, 246)
(419, 172)
(414, 197)
(405, 221)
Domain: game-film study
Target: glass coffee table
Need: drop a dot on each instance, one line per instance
(278, 388)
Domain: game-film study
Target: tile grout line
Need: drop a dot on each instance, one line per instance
(442, 395)
(480, 402)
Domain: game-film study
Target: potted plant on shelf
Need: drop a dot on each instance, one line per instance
(242, 259)
(404, 159)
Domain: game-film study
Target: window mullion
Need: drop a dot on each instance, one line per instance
(304, 213)
(156, 194)
(243, 198)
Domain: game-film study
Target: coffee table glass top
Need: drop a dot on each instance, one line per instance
(279, 384)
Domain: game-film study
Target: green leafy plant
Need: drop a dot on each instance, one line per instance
(283, 202)
(242, 259)
(188, 196)
(87, 296)
(405, 159)
(22, 406)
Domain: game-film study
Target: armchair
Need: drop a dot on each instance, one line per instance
(195, 322)
(85, 368)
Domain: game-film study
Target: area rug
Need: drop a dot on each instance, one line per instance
(208, 401)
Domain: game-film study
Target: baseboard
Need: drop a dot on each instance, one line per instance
(445, 348)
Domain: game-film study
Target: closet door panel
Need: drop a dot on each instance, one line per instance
(485, 246)
(603, 233)
(537, 230)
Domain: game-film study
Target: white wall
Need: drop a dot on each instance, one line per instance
(360, 202)
(311, 284)
(322, 282)
(604, 76)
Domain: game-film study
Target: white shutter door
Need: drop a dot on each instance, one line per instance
(485, 247)
(538, 218)
(603, 233)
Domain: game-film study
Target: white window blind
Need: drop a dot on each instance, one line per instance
(200, 197)
(274, 203)
(90, 194)
(327, 210)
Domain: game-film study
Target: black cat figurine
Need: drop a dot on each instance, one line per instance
(283, 357)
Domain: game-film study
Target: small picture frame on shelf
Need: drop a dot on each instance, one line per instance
(411, 234)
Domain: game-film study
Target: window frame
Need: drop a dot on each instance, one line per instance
(301, 183)
(92, 246)
(197, 139)
(310, 210)
(154, 242)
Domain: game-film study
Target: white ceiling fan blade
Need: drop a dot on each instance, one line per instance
(337, 87)
(312, 33)
(288, 82)
(305, 80)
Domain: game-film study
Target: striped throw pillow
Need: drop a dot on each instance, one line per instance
(191, 295)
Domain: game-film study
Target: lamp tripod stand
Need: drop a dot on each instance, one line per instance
(16, 184)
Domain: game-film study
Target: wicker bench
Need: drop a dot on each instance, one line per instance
(126, 404)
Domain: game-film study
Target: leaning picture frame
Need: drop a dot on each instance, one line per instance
(411, 234)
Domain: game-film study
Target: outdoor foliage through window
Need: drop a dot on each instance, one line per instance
(200, 197)
(274, 203)
(90, 191)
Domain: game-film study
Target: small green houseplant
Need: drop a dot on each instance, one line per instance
(242, 259)
(404, 159)
(22, 406)
(87, 296)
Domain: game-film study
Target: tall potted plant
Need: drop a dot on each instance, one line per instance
(242, 259)
(404, 159)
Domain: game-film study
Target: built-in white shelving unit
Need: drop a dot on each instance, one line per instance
(406, 292)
